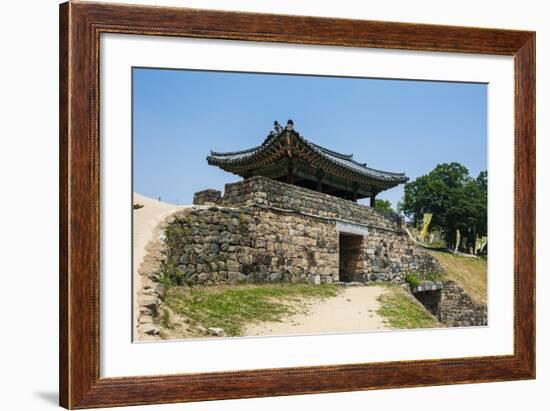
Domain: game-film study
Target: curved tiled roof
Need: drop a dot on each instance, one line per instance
(347, 161)
(234, 160)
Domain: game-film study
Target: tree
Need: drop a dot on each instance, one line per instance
(456, 200)
(384, 206)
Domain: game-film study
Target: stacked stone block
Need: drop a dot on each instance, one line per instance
(267, 231)
(264, 192)
(457, 309)
(451, 304)
(207, 197)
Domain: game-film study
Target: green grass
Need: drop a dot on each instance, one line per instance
(165, 319)
(232, 307)
(415, 279)
(401, 310)
(469, 273)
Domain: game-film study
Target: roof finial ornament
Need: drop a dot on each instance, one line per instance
(278, 127)
(290, 125)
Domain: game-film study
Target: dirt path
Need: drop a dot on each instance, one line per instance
(146, 220)
(353, 310)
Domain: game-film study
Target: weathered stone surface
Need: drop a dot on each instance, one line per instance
(148, 301)
(150, 329)
(458, 309)
(236, 277)
(217, 332)
(145, 319)
(275, 277)
(267, 231)
(428, 286)
(207, 197)
(160, 289)
(451, 304)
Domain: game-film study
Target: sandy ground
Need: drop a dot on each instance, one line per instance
(146, 220)
(354, 310)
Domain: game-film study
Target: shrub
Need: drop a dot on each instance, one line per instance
(413, 280)
(137, 206)
(171, 274)
(432, 276)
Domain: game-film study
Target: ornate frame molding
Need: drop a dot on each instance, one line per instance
(80, 27)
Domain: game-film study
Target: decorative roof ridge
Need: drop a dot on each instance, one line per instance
(349, 157)
(344, 160)
(232, 153)
(270, 136)
(334, 153)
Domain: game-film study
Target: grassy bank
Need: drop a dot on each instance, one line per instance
(232, 307)
(469, 273)
(401, 310)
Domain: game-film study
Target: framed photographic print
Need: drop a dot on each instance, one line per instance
(257, 205)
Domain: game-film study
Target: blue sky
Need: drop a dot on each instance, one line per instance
(394, 125)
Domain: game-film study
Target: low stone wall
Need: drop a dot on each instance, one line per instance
(451, 304)
(458, 309)
(150, 292)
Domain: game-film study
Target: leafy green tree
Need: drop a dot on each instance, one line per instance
(479, 197)
(384, 206)
(456, 200)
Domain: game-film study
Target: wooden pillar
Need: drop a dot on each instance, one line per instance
(320, 175)
(354, 194)
(290, 173)
(373, 199)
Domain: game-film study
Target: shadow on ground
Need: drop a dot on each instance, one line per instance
(51, 397)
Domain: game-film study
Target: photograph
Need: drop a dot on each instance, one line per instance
(275, 205)
(269, 204)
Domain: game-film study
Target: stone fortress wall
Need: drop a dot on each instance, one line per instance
(450, 304)
(264, 230)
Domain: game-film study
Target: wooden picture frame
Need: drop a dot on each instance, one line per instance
(80, 27)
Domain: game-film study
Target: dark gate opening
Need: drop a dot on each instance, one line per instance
(431, 299)
(350, 248)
